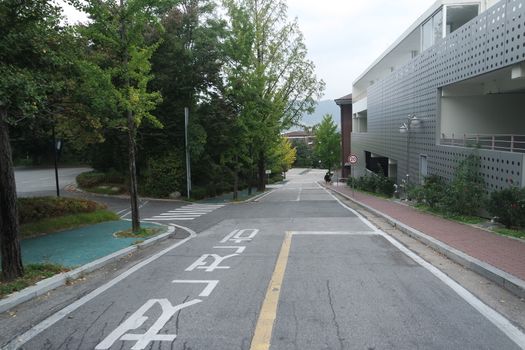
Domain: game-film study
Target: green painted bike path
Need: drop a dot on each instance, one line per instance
(79, 246)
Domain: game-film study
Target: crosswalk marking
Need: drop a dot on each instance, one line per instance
(186, 213)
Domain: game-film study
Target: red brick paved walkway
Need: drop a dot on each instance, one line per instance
(504, 253)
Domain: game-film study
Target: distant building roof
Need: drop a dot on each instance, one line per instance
(297, 134)
(345, 100)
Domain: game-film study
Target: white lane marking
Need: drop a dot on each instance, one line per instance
(238, 249)
(492, 315)
(185, 213)
(51, 320)
(201, 263)
(129, 212)
(121, 211)
(168, 219)
(264, 195)
(138, 318)
(342, 233)
(179, 214)
(210, 285)
(237, 235)
(299, 194)
(204, 206)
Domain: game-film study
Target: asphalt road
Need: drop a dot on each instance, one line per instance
(293, 270)
(41, 182)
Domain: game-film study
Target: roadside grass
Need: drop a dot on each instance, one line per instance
(143, 233)
(50, 225)
(510, 232)
(32, 274)
(463, 219)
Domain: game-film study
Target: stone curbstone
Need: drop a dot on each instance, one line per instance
(503, 279)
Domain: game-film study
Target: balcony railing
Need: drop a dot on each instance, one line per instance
(495, 142)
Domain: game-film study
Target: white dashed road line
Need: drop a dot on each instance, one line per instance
(186, 213)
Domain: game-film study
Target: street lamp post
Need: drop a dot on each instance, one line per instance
(412, 122)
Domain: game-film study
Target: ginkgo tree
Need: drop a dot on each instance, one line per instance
(327, 143)
(117, 33)
(269, 76)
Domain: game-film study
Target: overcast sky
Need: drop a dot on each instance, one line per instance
(345, 36)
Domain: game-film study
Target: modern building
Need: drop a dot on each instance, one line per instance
(345, 104)
(451, 85)
(300, 136)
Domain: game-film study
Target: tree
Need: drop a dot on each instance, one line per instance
(327, 142)
(283, 156)
(31, 55)
(187, 68)
(269, 76)
(304, 157)
(117, 34)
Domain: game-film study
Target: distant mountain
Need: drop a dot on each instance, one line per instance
(323, 107)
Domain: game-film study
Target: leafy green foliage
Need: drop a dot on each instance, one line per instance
(433, 192)
(38, 208)
(508, 205)
(466, 193)
(282, 156)
(66, 222)
(327, 143)
(374, 183)
(304, 157)
(270, 81)
(164, 175)
(91, 179)
(464, 196)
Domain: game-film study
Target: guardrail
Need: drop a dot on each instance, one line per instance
(495, 142)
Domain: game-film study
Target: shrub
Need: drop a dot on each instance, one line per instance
(384, 185)
(164, 175)
(509, 206)
(434, 191)
(198, 192)
(373, 183)
(91, 179)
(38, 208)
(466, 193)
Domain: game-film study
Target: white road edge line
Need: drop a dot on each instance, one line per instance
(492, 315)
(264, 195)
(51, 320)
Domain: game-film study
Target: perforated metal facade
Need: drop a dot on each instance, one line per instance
(491, 41)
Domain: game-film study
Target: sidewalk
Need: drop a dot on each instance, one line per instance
(504, 253)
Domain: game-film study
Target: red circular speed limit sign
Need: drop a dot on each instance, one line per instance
(352, 159)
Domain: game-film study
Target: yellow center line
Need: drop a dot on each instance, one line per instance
(263, 330)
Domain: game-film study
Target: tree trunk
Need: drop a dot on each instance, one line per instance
(261, 168)
(9, 239)
(135, 222)
(236, 179)
(235, 184)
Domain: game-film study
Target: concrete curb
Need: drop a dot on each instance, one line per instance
(59, 280)
(503, 279)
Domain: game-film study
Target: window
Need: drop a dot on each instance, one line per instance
(458, 15)
(432, 30)
(426, 35)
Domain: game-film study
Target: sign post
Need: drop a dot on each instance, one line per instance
(352, 159)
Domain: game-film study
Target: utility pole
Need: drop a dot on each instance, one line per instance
(188, 166)
(56, 148)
